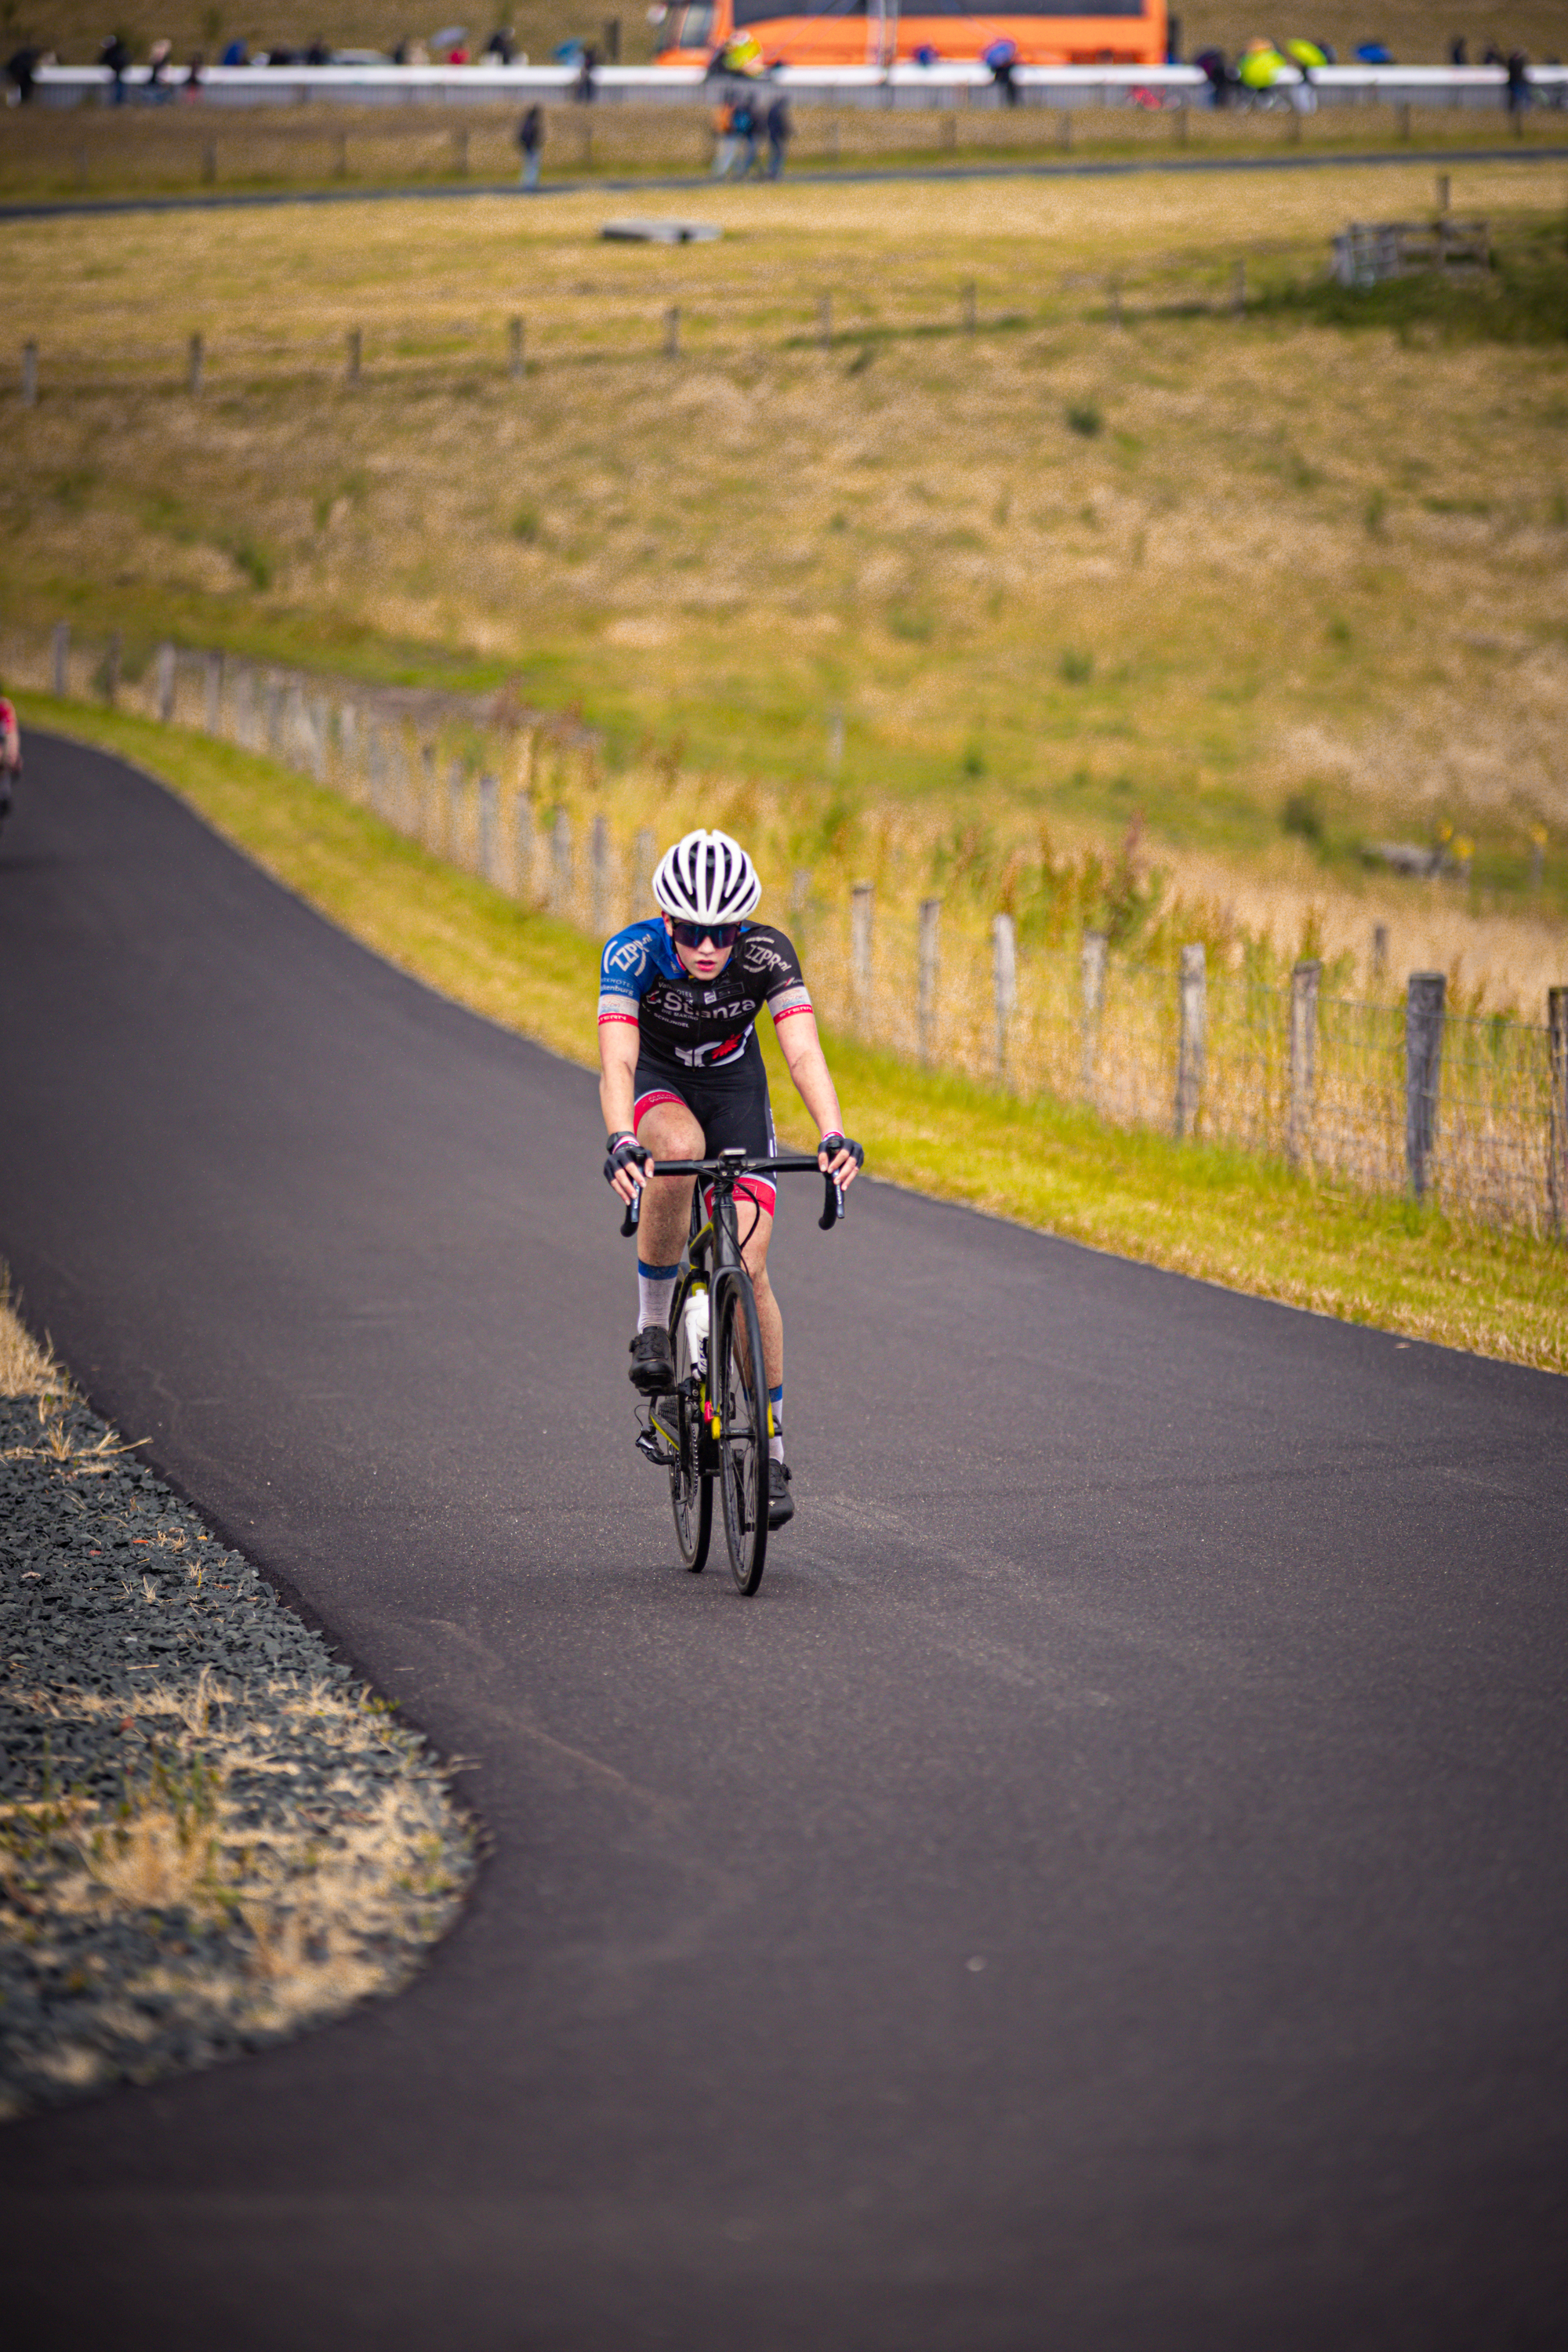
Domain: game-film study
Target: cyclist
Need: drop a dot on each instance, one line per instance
(682, 1078)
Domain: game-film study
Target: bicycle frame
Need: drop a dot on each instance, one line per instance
(713, 1257)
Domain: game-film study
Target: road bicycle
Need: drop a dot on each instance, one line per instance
(712, 1428)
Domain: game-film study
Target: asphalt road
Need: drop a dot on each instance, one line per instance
(1107, 1891)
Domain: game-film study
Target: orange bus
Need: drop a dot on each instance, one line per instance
(875, 32)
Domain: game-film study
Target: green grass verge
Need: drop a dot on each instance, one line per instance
(1198, 1208)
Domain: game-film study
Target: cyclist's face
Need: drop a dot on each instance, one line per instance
(702, 961)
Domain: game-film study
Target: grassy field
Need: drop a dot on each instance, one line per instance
(1248, 1223)
(1277, 582)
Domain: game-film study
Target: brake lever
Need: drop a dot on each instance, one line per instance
(832, 1203)
(634, 1211)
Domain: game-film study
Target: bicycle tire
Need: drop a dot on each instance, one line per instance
(690, 1490)
(741, 1401)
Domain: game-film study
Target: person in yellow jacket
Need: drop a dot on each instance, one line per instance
(1261, 66)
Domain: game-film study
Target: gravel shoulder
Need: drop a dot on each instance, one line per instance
(210, 1837)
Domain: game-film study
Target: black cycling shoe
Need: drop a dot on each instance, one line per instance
(781, 1502)
(653, 1361)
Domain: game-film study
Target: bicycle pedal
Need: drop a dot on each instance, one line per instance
(654, 1447)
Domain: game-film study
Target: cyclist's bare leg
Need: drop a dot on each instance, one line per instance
(669, 1132)
(754, 1242)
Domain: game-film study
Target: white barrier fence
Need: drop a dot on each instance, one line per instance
(907, 86)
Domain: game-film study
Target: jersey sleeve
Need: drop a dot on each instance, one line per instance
(625, 968)
(773, 957)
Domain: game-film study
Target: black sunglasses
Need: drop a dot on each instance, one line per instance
(691, 935)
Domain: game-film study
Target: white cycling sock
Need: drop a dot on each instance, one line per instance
(656, 1289)
(775, 1443)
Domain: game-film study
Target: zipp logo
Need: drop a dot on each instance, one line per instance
(629, 957)
(762, 959)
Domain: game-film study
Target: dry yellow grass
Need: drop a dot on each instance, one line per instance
(1283, 557)
(335, 1896)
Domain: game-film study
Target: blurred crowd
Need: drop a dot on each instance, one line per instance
(1266, 72)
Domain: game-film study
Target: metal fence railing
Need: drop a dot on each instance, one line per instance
(1469, 1111)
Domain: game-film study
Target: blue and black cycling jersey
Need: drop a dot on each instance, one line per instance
(694, 1024)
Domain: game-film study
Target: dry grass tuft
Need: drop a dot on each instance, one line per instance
(26, 1368)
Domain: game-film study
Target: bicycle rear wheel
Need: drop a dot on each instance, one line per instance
(690, 1492)
(740, 1393)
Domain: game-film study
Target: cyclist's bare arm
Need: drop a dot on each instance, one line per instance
(618, 1093)
(808, 1065)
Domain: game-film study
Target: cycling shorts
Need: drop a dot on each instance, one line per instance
(730, 1106)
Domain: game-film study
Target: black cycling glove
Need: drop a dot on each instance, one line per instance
(832, 1145)
(624, 1151)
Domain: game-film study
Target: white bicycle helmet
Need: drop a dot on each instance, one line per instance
(707, 878)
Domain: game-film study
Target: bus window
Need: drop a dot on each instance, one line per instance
(696, 29)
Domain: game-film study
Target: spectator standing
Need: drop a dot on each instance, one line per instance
(1519, 90)
(530, 141)
(194, 74)
(19, 72)
(781, 131)
(116, 57)
(160, 89)
(10, 753)
(238, 54)
(1002, 58)
(726, 145)
(501, 47)
(585, 88)
(1212, 65)
(743, 122)
(1458, 55)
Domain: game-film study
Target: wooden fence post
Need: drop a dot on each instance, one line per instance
(1304, 983)
(1190, 1051)
(1423, 1004)
(356, 355)
(112, 668)
(316, 713)
(599, 856)
(522, 849)
(164, 687)
(488, 789)
(60, 650)
(1379, 954)
(194, 367)
(644, 856)
(1003, 981)
(516, 365)
(862, 899)
(824, 321)
(212, 696)
(1092, 975)
(931, 925)
(1238, 289)
(969, 307)
(561, 865)
(672, 332)
(455, 782)
(1557, 1140)
(800, 894)
(29, 376)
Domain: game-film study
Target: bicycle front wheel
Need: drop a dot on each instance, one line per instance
(740, 1393)
(690, 1492)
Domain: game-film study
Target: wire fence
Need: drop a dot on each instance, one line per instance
(1470, 1112)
